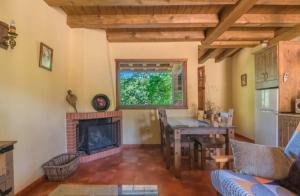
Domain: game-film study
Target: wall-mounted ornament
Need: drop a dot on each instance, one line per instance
(244, 80)
(46, 57)
(72, 99)
(8, 34)
(101, 102)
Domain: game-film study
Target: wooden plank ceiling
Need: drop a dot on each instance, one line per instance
(222, 26)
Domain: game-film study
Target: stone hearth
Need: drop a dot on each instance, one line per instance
(72, 121)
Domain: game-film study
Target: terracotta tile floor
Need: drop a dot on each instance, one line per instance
(136, 166)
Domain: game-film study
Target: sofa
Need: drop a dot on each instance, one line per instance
(231, 183)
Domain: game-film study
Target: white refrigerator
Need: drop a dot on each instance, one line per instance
(266, 116)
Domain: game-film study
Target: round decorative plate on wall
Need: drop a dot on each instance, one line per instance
(101, 102)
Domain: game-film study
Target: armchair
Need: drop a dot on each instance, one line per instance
(230, 183)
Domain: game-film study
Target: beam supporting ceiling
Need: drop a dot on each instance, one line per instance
(161, 2)
(285, 34)
(143, 21)
(179, 21)
(247, 35)
(226, 53)
(211, 53)
(228, 18)
(155, 36)
(149, 36)
(230, 44)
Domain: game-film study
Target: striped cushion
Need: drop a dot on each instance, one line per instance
(229, 183)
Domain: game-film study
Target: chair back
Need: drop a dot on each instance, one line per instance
(293, 147)
(163, 123)
(162, 114)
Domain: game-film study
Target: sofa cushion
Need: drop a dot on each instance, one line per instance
(229, 183)
(292, 182)
(259, 160)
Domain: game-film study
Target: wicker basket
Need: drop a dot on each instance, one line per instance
(60, 167)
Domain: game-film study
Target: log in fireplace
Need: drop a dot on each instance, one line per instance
(95, 135)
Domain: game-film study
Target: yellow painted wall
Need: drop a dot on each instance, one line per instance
(32, 106)
(93, 71)
(90, 71)
(243, 98)
(141, 126)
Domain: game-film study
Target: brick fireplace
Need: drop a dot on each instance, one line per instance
(73, 120)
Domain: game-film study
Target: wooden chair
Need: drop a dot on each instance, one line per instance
(213, 144)
(167, 142)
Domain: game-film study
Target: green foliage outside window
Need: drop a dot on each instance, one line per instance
(146, 88)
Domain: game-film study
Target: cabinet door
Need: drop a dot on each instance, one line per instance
(260, 70)
(271, 64)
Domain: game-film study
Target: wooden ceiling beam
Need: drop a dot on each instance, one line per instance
(278, 2)
(228, 18)
(226, 53)
(58, 3)
(285, 34)
(142, 21)
(158, 36)
(178, 21)
(267, 20)
(210, 53)
(247, 35)
(230, 44)
(137, 2)
(149, 36)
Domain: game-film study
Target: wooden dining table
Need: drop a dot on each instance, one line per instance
(190, 126)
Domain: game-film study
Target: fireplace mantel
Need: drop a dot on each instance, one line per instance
(72, 120)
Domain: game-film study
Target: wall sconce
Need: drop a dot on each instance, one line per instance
(8, 35)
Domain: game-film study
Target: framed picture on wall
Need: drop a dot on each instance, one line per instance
(46, 57)
(244, 80)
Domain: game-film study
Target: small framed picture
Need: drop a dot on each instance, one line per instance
(46, 57)
(244, 80)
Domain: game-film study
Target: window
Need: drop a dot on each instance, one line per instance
(151, 84)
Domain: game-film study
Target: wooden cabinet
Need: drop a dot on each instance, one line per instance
(287, 126)
(279, 67)
(266, 68)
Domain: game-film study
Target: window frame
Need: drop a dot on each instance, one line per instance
(139, 107)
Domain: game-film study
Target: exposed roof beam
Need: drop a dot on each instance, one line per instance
(211, 53)
(228, 18)
(230, 44)
(278, 2)
(268, 20)
(178, 21)
(161, 2)
(155, 36)
(143, 21)
(236, 35)
(226, 53)
(136, 2)
(285, 34)
(247, 35)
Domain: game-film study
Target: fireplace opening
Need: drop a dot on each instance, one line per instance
(96, 135)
